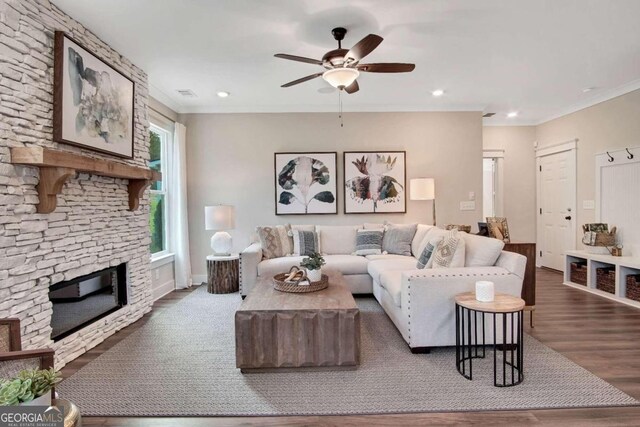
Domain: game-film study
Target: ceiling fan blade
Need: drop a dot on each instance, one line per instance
(298, 58)
(363, 48)
(390, 67)
(302, 80)
(353, 87)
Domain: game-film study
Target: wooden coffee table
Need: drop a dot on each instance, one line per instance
(280, 330)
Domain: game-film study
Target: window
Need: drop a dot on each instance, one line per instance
(159, 142)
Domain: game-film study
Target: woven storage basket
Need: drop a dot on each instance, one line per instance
(606, 279)
(579, 273)
(463, 228)
(280, 285)
(633, 287)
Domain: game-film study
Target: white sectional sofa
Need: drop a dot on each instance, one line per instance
(420, 302)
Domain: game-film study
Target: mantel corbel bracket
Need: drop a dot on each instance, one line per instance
(136, 191)
(52, 180)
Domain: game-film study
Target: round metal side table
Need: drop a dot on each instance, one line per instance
(504, 330)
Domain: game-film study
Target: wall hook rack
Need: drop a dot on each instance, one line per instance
(610, 159)
(630, 156)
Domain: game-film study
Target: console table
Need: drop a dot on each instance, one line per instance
(529, 282)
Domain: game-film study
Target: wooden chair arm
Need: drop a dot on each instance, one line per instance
(45, 355)
(15, 343)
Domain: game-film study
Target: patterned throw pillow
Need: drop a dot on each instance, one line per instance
(305, 242)
(275, 241)
(397, 238)
(427, 252)
(369, 242)
(450, 252)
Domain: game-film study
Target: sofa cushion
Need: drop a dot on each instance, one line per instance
(275, 241)
(427, 253)
(369, 242)
(418, 243)
(392, 282)
(450, 251)
(376, 268)
(305, 242)
(385, 256)
(271, 267)
(337, 239)
(346, 264)
(303, 227)
(481, 251)
(398, 237)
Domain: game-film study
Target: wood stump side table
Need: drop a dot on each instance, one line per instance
(222, 274)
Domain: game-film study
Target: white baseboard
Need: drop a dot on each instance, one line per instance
(163, 289)
(199, 278)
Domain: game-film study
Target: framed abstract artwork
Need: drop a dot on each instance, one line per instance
(306, 183)
(92, 101)
(375, 182)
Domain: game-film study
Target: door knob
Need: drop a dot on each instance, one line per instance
(568, 218)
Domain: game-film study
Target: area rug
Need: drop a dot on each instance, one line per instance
(182, 363)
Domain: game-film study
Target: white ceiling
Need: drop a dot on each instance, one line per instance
(530, 56)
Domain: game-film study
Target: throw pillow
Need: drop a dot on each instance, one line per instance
(397, 238)
(275, 241)
(369, 242)
(450, 252)
(305, 242)
(427, 252)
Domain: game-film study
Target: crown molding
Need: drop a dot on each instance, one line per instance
(604, 95)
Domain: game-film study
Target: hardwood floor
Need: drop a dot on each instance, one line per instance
(601, 335)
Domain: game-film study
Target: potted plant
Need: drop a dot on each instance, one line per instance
(313, 264)
(31, 387)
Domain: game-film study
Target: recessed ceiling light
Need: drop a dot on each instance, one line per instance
(587, 89)
(223, 94)
(512, 114)
(437, 92)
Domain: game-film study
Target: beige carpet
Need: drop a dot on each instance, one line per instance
(182, 363)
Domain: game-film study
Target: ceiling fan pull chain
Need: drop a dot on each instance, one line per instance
(340, 108)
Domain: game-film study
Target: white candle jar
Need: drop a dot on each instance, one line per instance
(485, 291)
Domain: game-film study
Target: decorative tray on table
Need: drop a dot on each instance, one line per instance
(298, 283)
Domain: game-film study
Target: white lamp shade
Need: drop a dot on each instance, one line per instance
(340, 77)
(422, 189)
(219, 217)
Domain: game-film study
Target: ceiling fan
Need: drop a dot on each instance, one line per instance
(343, 65)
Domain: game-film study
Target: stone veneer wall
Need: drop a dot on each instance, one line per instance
(91, 229)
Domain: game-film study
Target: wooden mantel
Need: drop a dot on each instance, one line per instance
(56, 166)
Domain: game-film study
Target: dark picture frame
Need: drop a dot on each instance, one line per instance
(289, 198)
(114, 127)
(352, 172)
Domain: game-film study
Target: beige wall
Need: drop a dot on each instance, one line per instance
(519, 178)
(230, 160)
(610, 125)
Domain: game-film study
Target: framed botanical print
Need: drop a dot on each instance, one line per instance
(375, 182)
(92, 101)
(306, 183)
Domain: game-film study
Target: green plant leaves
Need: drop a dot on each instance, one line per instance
(29, 384)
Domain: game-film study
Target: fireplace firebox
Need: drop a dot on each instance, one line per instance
(81, 301)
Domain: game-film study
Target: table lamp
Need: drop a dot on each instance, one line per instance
(220, 218)
(423, 189)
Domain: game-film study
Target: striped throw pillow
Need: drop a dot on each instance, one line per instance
(305, 243)
(369, 242)
(427, 252)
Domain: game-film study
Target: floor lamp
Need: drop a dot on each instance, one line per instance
(423, 189)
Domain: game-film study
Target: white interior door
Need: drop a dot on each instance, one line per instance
(556, 206)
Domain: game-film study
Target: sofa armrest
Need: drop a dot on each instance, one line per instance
(249, 260)
(428, 299)
(512, 262)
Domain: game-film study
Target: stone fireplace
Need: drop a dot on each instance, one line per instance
(79, 302)
(91, 229)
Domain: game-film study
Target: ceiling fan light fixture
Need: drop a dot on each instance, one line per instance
(340, 77)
